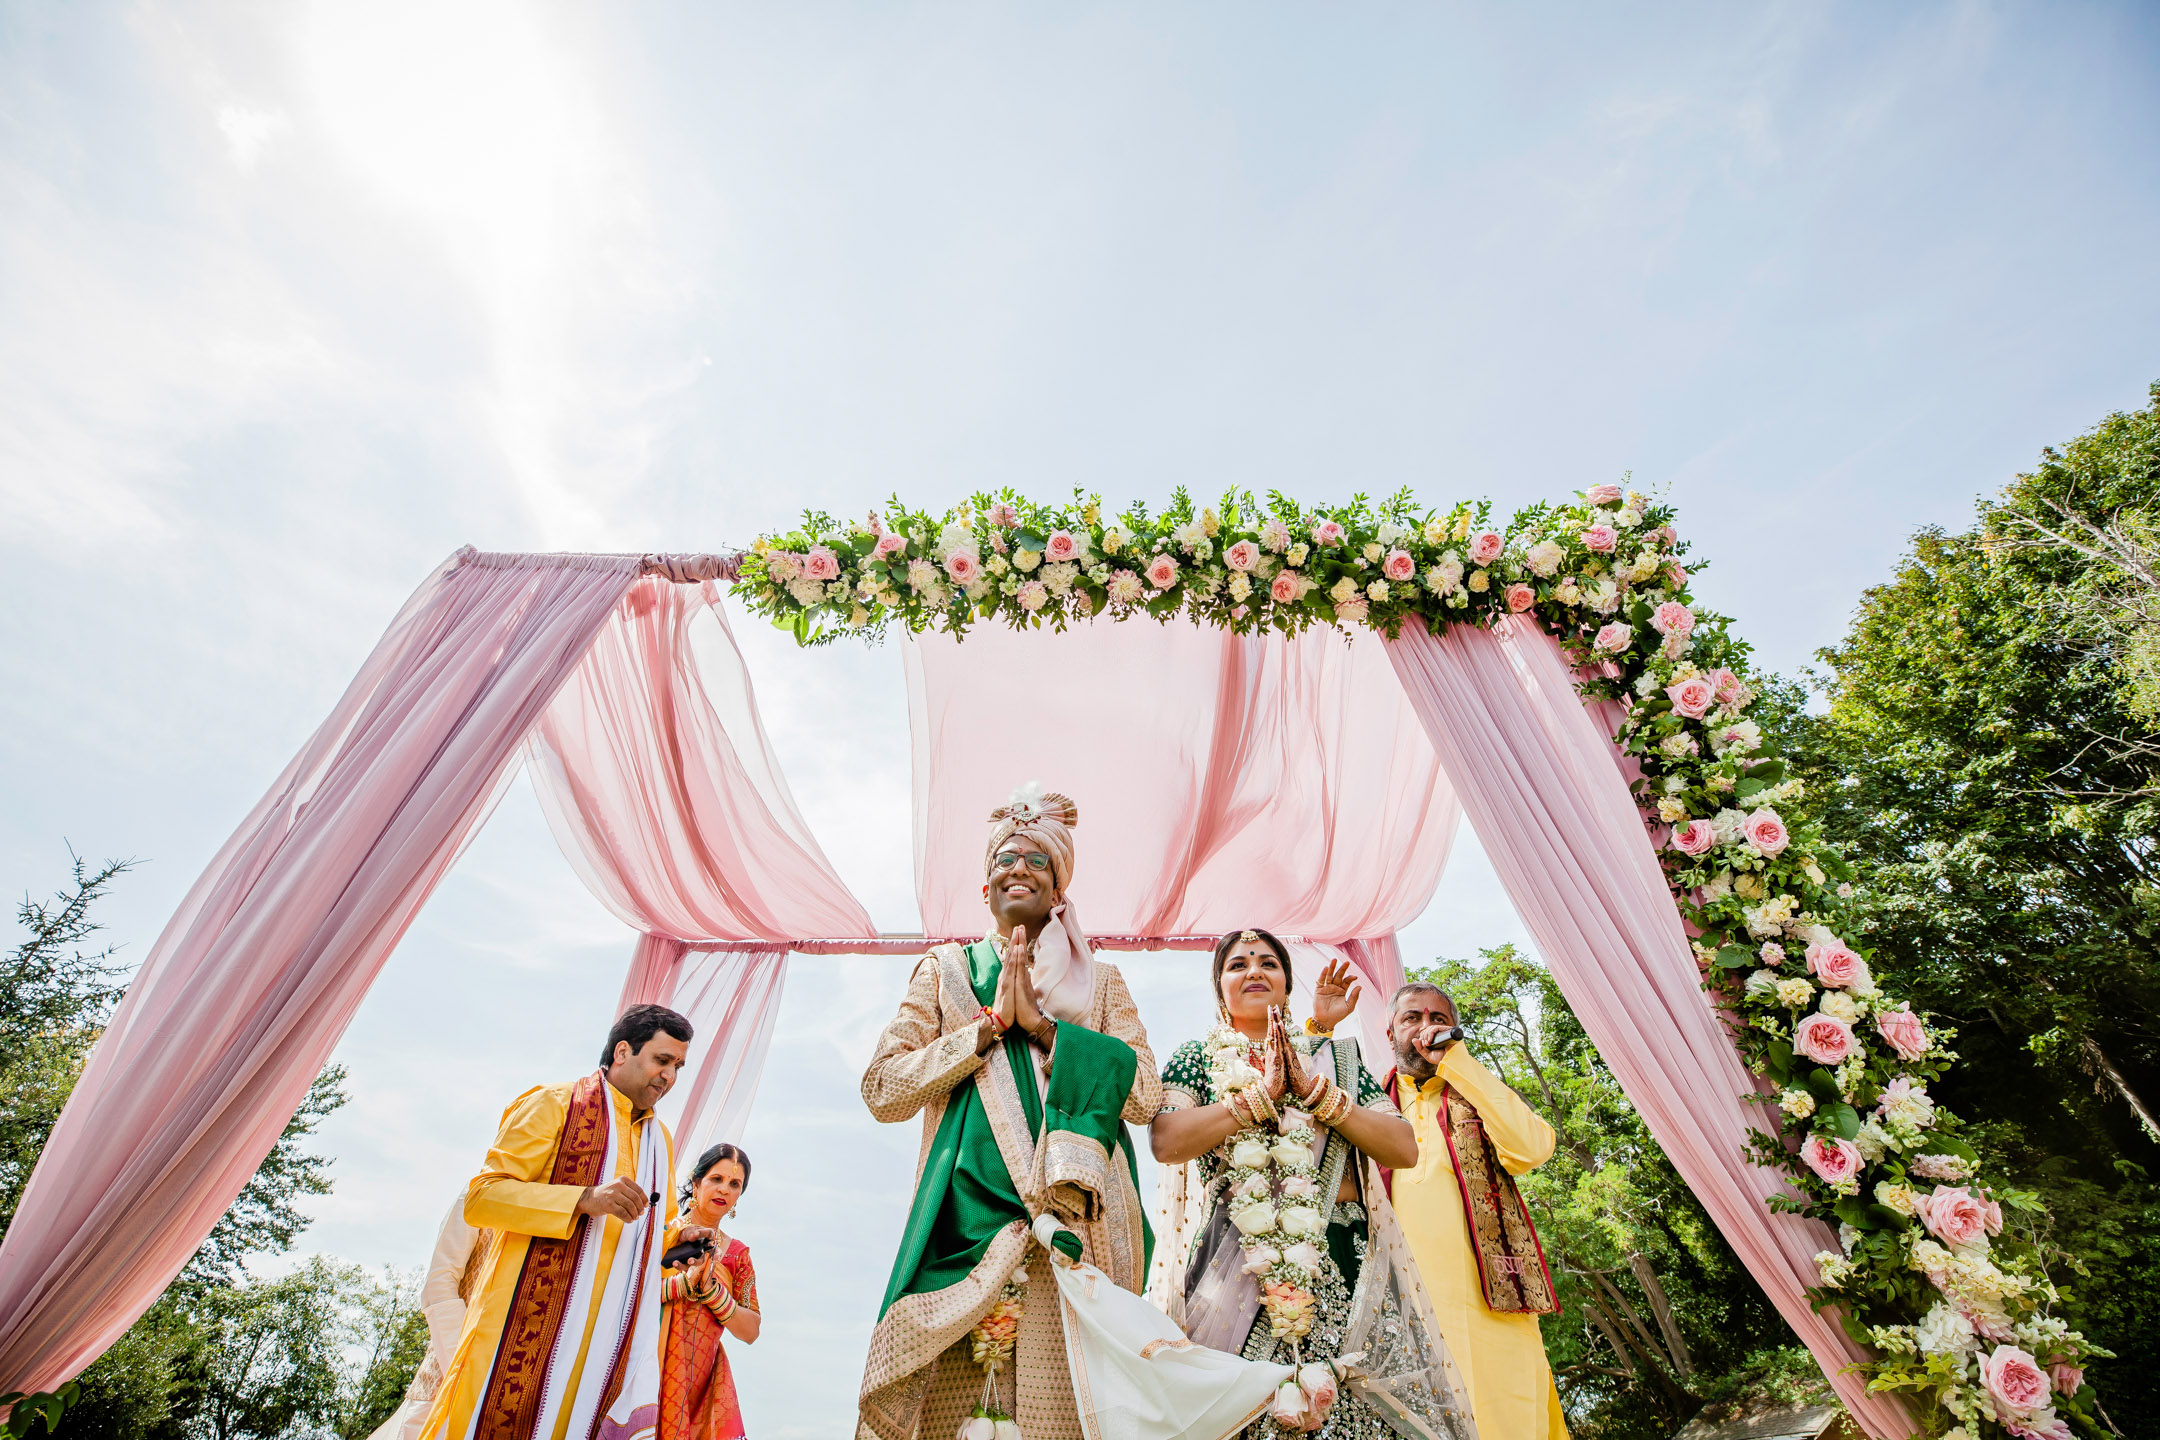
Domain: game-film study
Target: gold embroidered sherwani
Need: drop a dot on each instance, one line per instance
(919, 1378)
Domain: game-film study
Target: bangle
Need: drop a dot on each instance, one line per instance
(1263, 1108)
(1334, 1106)
(1312, 1027)
(996, 1023)
(720, 1312)
(1236, 1106)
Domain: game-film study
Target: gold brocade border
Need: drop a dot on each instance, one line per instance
(918, 1328)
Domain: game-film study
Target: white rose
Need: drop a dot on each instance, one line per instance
(1301, 1220)
(1254, 1219)
(1840, 1006)
(1290, 1152)
(1761, 984)
(1007, 1429)
(979, 1428)
(1305, 1255)
(1249, 1154)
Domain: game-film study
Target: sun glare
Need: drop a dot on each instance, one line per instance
(471, 117)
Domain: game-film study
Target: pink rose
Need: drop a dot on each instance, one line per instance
(2068, 1378)
(1833, 964)
(1520, 597)
(1286, 588)
(1691, 698)
(1061, 546)
(1614, 638)
(1675, 577)
(1725, 685)
(1486, 548)
(1952, 1215)
(1327, 532)
(2015, 1380)
(1600, 538)
(1992, 1214)
(1242, 556)
(1834, 1160)
(1398, 566)
(1825, 1039)
(1005, 515)
(1162, 572)
(1672, 618)
(1694, 837)
(821, 564)
(1903, 1030)
(963, 566)
(1766, 832)
(889, 544)
(1603, 494)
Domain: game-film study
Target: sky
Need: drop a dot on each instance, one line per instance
(295, 299)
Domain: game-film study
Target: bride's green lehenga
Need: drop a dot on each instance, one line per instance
(1367, 1295)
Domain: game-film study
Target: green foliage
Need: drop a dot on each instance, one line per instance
(54, 996)
(1657, 1317)
(41, 1409)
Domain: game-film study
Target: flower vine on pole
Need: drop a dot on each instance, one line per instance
(1931, 1275)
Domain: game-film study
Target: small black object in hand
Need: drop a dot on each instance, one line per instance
(684, 1252)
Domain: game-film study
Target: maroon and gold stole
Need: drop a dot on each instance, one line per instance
(511, 1406)
(1511, 1262)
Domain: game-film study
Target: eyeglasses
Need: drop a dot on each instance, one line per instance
(1006, 859)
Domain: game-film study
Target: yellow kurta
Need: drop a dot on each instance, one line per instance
(512, 1197)
(1502, 1357)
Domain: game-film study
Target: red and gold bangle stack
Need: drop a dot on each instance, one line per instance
(1252, 1106)
(722, 1305)
(1329, 1102)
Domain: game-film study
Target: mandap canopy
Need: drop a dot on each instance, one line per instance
(1292, 745)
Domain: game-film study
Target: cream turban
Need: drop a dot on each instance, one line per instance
(1064, 967)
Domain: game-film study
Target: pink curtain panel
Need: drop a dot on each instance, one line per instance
(244, 995)
(1541, 786)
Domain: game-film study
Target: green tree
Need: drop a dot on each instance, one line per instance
(1986, 759)
(1658, 1317)
(395, 1340)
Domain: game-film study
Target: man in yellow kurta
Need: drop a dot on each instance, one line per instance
(562, 1336)
(1467, 1226)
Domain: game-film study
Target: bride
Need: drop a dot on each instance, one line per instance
(1289, 1252)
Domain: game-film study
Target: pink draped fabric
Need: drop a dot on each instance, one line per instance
(650, 980)
(1541, 787)
(660, 785)
(674, 814)
(1222, 781)
(733, 998)
(246, 992)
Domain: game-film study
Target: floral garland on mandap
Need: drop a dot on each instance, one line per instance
(1955, 1305)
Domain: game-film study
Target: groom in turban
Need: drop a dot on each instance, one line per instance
(1026, 1059)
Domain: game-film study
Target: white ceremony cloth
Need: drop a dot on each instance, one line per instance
(1135, 1375)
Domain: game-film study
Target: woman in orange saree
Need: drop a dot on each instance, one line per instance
(711, 1293)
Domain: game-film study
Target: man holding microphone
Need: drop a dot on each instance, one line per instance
(1468, 1228)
